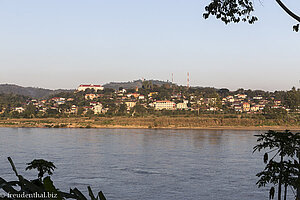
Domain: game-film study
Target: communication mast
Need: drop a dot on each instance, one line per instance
(188, 80)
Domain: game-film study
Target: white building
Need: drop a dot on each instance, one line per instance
(98, 109)
(168, 105)
(19, 109)
(181, 106)
(130, 104)
(91, 86)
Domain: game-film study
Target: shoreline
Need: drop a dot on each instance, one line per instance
(163, 123)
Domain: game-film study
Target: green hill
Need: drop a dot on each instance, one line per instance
(132, 84)
(32, 92)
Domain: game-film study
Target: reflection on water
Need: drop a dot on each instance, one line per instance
(137, 164)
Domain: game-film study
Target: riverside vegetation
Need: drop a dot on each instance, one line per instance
(205, 121)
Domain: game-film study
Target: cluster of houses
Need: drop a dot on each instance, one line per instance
(240, 103)
(93, 102)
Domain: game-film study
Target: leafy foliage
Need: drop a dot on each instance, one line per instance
(42, 186)
(42, 166)
(231, 11)
(241, 10)
(283, 168)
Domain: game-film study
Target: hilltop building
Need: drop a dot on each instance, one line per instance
(91, 86)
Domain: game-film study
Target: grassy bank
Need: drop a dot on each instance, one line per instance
(153, 122)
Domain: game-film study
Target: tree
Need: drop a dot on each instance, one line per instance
(122, 109)
(275, 113)
(292, 99)
(30, 111)
(283, 167)
(241, 10)
(42, 166)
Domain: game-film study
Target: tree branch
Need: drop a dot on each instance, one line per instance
(288, 11)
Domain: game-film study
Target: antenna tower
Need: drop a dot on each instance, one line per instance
(188, 80)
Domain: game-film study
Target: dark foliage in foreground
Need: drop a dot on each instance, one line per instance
(41, 185)
(282, 159)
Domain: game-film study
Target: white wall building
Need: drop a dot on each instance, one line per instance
(181, 106)
(130, 104)
(91, 86)
(168, 105)
(98, 109)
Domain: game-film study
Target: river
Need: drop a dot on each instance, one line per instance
(141, 164)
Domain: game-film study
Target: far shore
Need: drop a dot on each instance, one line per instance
(150, 123)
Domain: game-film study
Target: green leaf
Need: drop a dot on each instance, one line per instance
(101, 196)
(49, 187)
(91, 193)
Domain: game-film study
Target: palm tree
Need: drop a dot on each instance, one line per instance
(42, 166)
(285, 170)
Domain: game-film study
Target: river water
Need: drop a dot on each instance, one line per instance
(141, 164)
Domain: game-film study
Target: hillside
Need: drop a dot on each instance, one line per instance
(28, 91)
(132, 84)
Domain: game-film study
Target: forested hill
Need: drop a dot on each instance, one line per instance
(132, 84)
(28, 91)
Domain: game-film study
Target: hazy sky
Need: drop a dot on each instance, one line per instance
(63, 43)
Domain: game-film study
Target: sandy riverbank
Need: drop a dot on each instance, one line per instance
(152, 122)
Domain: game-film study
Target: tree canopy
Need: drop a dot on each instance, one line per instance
(241, 10)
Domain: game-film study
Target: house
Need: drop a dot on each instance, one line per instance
(212, 109)
(241, 96)
(43, 109)
(91, 86)
(211, 101)
(87, 108)
(122, 91)
(238, 108)
(277, 102)
(246, 107)
(60, 102)
(254, 108)
(58, 99)
(261, 106)
(91, 96)
(135, 95)
(2, 110)
(181, 106)
(74, 109)
(258, 98)
(168, 105)
(98, 109)
(43, 101)
(19, 109)
(130, 104)
(93, 103)
(152, 93)
(230, 99)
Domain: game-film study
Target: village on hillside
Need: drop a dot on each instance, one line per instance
(167, 99)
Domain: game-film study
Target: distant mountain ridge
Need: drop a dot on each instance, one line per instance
(132, 84)
(35, 92)
(32, 92)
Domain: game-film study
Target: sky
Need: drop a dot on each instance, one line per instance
(63, 43)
